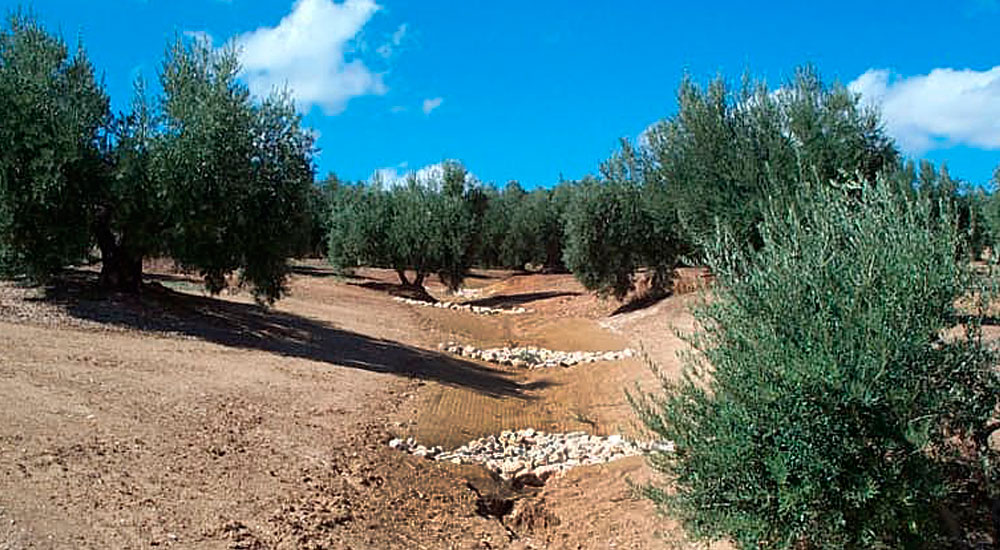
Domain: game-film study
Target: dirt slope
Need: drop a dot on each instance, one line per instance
(177, 420)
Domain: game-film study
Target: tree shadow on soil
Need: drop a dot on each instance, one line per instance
(248, 326)
(325, 272)
(644, 301)
(398, 290)
(510, 300)
(482, 276)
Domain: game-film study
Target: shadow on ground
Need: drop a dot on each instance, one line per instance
(510, 300)
(324, 272)
(398, 290)
(482, 276)
(159, 309)
(172, 278)
(641, 302)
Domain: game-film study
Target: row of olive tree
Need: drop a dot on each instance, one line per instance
(714, 164)
(428, 227)
(656, 202)
(445, 224)
(524, 227)
(206, 173)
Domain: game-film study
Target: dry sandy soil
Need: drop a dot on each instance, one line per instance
(178, 420)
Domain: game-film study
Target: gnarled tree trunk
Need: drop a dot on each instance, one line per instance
(417, 282)
(402, 277)
(120, 272)
(120, 269)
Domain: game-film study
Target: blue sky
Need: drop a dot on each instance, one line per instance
(531, 90)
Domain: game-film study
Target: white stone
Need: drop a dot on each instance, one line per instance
(514, 453)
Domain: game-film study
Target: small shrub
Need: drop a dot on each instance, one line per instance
(833, 400)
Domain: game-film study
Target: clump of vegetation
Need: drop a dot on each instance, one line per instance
(837, 398)
(209, 175)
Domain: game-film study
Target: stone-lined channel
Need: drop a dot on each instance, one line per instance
(534, 357)
(531, 455)
(456, 306)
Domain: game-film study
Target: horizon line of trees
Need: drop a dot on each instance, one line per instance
(223, 182)
(657, 203)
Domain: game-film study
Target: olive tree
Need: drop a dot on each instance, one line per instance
(210, 176)
(236, 173)
(128, 215)
(725, 148)
(457, 211)
(604, 223)
(614, 227)
(358, 227)
(53, 119)
(837, 398)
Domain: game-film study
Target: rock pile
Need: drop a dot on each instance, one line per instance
(534, 358)
(529, 455)
(481, 310)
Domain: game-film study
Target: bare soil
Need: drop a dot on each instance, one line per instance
(174, 419)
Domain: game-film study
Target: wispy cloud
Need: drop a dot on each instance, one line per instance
(942, 108)
(200, 36)
(395, 41)
(308, 51)
(431, 104)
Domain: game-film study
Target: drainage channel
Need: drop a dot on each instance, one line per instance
(531, 457)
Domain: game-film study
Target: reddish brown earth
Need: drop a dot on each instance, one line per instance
(179, 420)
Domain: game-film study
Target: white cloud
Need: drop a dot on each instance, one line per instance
(429, 175)
(388, 177)
(431, 104)
(308, 50)
(945, 107)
